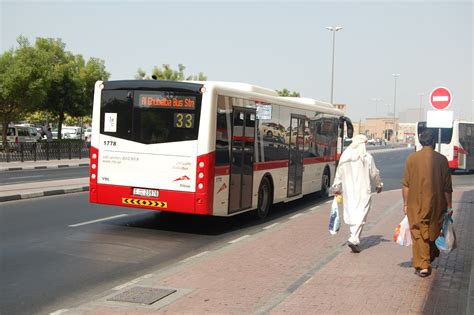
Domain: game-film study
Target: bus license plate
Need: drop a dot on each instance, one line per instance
(145, 192)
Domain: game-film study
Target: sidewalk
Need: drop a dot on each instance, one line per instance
(42, 164)
(297, 267)
(45, 188)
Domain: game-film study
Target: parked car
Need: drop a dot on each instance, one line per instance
(71, 132)
(17, 134)
(34, 132)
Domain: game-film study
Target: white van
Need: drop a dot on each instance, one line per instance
(19, 134)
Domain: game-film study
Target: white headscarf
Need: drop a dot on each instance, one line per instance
(356, 150)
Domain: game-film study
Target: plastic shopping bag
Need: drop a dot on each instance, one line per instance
(334, 218)
(446, 242)
(402, 234)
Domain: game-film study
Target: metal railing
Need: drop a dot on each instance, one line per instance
(44, 150)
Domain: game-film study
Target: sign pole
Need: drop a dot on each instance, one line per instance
(439, 140)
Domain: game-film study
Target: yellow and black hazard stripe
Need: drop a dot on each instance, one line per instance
(146, 203)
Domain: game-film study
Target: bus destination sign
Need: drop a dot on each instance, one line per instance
(161, 101)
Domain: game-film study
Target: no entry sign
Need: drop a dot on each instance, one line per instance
(440, 98)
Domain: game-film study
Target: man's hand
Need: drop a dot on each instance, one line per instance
(405, 209)
(378, 189)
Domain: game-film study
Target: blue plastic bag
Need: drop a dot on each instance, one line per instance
(446, 242)
(334, 219)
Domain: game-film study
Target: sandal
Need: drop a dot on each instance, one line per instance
(423, 272)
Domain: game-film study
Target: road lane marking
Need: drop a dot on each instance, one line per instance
(132, 282)
(195, 256)
(239, 239)
(270, 226)
(296, 215)
(98, 220)
(24, 177)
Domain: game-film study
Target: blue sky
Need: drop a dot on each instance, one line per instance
(275, 44)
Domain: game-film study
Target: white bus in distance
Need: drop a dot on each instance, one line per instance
(205, 147)
(457, 143)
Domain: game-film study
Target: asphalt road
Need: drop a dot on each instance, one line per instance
(55, 254)
(41, 175)
(391, 166)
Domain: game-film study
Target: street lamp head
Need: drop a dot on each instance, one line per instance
(396, 74)
(334, 28)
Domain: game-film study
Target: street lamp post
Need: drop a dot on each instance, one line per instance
(395, 76)
(333, 29)
(421, 112)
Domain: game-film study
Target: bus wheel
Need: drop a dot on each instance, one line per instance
(325, 182)
(264, 198)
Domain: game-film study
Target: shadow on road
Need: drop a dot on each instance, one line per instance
(209, 225)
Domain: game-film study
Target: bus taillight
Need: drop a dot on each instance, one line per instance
(94, 158)
(204, 183)
(456, 152)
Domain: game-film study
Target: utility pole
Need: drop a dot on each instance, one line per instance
(333, 29)
(395, 76)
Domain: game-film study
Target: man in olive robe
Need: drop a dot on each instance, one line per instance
(427, 194)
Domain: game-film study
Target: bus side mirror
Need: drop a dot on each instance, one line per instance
(349, 126)
(350, 130)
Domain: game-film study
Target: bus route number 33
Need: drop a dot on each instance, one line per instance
(183, 120)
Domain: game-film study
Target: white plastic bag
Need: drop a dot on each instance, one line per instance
(334, 218)
(446, 242)
(402, 234)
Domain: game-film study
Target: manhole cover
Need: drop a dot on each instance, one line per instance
(142, 295)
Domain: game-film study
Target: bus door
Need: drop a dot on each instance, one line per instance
(295, 163)
(241, 170)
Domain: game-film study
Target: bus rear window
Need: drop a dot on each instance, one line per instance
(150, 117)
(446, 133)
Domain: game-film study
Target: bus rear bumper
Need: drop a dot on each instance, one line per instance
(173, 201)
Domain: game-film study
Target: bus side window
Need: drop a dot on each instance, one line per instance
(223, 119)
(222, 141)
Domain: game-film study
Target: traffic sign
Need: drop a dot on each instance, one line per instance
(440, 98)
(439, 119)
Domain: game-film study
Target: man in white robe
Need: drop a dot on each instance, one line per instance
(355, 176)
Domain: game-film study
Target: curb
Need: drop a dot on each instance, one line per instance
(45, 193)
(43, 167)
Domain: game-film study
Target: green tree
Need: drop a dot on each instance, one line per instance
(167, 73)
(286, 92)
(71, 80)
(46, 78)
(22, 82)
(41, 118)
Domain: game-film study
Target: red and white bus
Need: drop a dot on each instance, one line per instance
(457, 143)
(210, 148)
